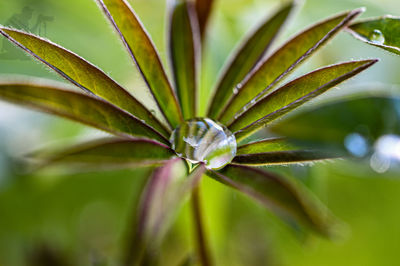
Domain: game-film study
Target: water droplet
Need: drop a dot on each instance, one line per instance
(235, 90)
(377, 37)
(239, 85)
(253, 101)
(203, 140)
(153, 112)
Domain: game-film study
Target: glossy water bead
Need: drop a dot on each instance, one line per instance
(204, 140)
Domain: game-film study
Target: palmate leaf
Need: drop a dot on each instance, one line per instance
(143, 52)
(245, 59)
(294, 94)
(203, 10)
(382, 32)
(358, 123)
(79, 107)
(283, 196)
(283, 61)
(82, 74)
(162, 197)
(109, 153)
(184, 49)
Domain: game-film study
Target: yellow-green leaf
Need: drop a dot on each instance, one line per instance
(283, 61)
(143, 52)
(245, 59)
(294, 94)
(82, 74)
(381, 32)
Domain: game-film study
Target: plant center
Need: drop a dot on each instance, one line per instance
(204, 140)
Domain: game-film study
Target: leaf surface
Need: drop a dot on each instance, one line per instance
(79, 107)
(110, 152)
(82, 74)
(276, 67)
(246, 57)
(144, 54)
(265, 145)
(382, 32)
(203, 8)
(289, 199)
(294, 94)
(184, 46)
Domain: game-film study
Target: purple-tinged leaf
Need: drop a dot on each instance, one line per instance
(144, 54)
(282, 62)
(82, 108)
(82, 74)
(161, 199)
(246, 57)
(203, 8)
(285, 197)
(184, 49)
(382, 32)
(294, 94)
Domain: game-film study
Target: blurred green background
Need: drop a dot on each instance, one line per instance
(84, 218)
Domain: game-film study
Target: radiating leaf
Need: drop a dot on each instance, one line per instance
(79, 107)
(347, 126)
(282, 157)
(382, 32)
(143, 52)
(203, 8)
(245, 58)
(184, 47)
(283, 61)
(82, 74)
(285, 197)
(265, 145)
(164, 194)
(110, 152)
(294, 94)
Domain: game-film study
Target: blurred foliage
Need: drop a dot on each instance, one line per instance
(81, 219)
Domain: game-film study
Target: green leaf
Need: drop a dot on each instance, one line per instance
(203, 8)
(357, 123)
(285, 197)
(276, 67)
(184, 46)
(109, 152)
(294, 94)
(282, 157)
(382, 32)
(265, 145)
(82, 74)
(246, 57)
(164, 194)
(79, 107)
(143, 52)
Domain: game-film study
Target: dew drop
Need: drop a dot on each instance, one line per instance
(377, 37)
(204, 140)
(235, 90)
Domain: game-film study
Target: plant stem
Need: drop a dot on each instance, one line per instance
(202, 247)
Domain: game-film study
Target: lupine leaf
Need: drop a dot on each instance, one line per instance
(78, 107)
(381, 32)
(294, 94)
(346, 126)
(110, 152)
(283, 61)
(265, 145)
(143, 52)
(184, 47)
(287, 198)
(245, 59)
(164, 194)
(82, 74)
(282, 157)
(203, 8)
